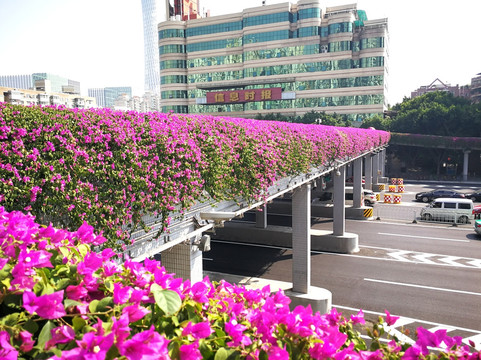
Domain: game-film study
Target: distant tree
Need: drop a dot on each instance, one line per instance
(274, 117)
(378, 122)
(316, 117)
(436, 113)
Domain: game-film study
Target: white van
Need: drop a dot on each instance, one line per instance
(449, 209)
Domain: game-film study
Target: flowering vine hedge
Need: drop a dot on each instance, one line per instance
(110, 168)
(60, 300)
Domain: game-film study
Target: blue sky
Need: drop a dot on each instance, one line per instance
(100, 42)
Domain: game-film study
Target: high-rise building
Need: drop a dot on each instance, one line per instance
(153, 12)
(58, 84)
(105, 97)
(288, 58)
(17, 81)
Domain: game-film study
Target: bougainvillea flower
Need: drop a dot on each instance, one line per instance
(60, 335)
(147, 345)
(390, 320)
(235, 331)
(7, 351)
(91, 347)
(36, 259)
(190, 352)
(198, 331)
(121, 293)
(135, 312)
(48, 306)
(359, 318)
(26, 341)
(277, 353)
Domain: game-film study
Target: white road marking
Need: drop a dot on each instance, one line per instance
(442, 326)
(423, 237)
(476, 339)
(399, 255)
(423, 287)
(424, 258)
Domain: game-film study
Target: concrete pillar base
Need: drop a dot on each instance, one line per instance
(327, 241)
(382, 180)
(320, 299)
(359, 213)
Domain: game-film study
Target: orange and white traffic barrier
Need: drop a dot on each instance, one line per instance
(393, 181)
(400, 181)
(400, 188)
(392, 188)
(387, 198)
(397, 199)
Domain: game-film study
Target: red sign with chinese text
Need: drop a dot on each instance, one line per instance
(241, 96)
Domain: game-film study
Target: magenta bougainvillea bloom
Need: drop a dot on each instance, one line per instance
(47, 306)
(390, 320)
(198, 331)
(60, 335)
(147, 345)
(7, 351)
(190, 352)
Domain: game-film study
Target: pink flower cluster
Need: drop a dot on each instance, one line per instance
(111, 168)
(60, 300)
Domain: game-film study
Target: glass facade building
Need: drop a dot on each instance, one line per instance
(105, 97)
(153, 12)
(333, 60)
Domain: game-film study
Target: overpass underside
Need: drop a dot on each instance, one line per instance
(181, 247)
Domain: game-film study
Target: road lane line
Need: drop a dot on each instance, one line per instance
(423, 237)
(413, 319)
(423, 287)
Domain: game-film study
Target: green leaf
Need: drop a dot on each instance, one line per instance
(105, 304)
(68, 303)
(78, 323)
(45, 334)
(10, 320)
(93, 306)
(31, 326)
(226, 354)
(167, 300)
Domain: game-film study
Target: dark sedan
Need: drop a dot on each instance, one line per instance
(428, 196)
(475, 196)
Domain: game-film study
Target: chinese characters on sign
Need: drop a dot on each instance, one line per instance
(240, 96)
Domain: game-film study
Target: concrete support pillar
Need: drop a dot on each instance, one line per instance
(465, 164)
(357, 183)
(383, 162)
(338, 212)
(368, 172)
(261, 217)
(185, 261)
(301, 239)
(375, 168)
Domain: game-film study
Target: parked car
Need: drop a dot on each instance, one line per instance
(449, 209)
(477, 227)
(428, 196)
(477, 212)
(350, 181)
(475, 196)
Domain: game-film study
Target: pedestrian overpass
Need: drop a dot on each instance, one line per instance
(188, 236)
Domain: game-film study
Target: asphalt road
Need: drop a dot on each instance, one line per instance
(425, 272)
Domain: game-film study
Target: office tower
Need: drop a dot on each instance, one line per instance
(105, 97)
(58, 83)
(153, 12)
(288, 58)
(17, 81)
